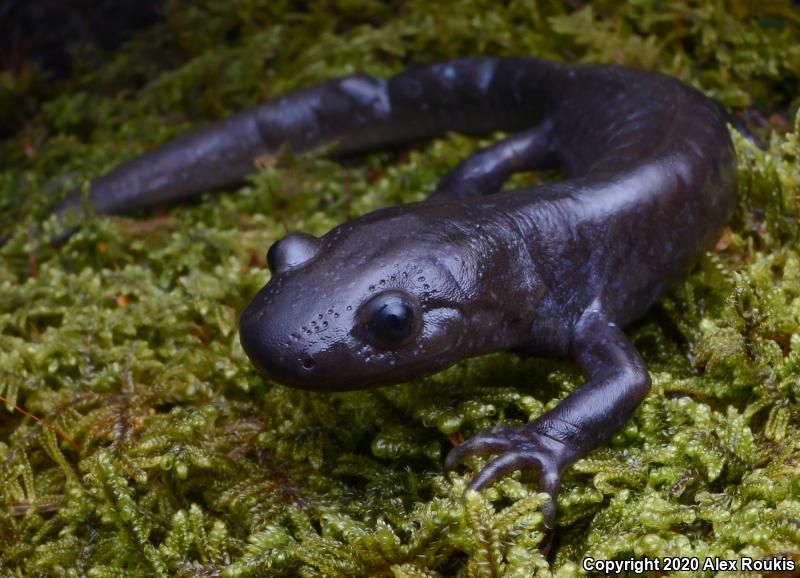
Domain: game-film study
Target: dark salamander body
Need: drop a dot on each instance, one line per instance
(553, 270)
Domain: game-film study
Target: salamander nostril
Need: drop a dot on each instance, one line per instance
(308, 363)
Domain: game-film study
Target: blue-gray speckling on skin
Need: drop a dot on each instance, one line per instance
(552, 270)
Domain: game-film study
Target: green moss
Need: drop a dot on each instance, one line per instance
(165, 453)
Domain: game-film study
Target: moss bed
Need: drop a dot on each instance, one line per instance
(160, 452)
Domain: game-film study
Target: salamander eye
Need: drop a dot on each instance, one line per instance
(389, 319)
(292, 251)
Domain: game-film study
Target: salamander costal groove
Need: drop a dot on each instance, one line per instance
(554, 270)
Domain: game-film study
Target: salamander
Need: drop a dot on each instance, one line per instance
(555, 270)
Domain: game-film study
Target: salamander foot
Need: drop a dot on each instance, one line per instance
(519, 449)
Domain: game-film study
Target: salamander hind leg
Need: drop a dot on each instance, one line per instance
(617, 383)
(484, 172)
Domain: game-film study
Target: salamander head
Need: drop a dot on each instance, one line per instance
(379, 300)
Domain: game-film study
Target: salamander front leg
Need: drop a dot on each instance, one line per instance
(618, 382)
(485, 171)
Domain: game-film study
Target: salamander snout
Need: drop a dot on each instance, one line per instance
(276, 344)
